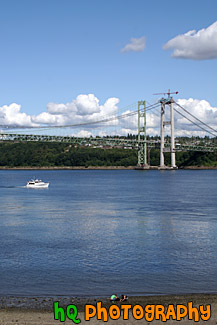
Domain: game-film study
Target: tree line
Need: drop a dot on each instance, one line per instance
(40, 154)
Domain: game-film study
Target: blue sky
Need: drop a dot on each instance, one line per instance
(53, 51)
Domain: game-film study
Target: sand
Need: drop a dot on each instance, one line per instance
(39, 311)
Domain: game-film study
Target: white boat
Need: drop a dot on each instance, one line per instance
(37, 183)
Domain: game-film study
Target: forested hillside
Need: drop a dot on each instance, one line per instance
(36, 154)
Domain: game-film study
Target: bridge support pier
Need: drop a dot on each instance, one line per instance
(172, 145)
(165, 102)
(142, 145)
(162, 136)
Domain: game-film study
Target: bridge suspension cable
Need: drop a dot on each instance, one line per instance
(105, 120)
(56, 126)
(202, 128)
(196, 118)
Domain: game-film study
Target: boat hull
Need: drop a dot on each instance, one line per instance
(45, 185)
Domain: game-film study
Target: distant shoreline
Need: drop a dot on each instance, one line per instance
(103, 168)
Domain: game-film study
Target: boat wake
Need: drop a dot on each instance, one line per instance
(11, 186)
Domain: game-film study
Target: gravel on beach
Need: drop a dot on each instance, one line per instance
(39, 310)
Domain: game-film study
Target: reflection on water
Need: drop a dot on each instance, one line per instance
(99, 232)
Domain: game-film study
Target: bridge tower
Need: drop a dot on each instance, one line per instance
(169, 101)
(142, 146)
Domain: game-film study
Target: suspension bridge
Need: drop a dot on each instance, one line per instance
(141, 142)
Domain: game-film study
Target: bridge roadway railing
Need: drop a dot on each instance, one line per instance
(94, 141)
(188, 147)
(104, 142)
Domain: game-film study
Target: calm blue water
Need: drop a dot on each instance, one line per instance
(100, 232)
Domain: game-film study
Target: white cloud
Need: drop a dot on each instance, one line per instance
(186, 133)
(102, 134)
(135, 45)
(152, 132)
(10, 115)
(153, 120)
(84, 134)
(50, 119)
(199, 108)
(83, 109)
(201, 45)
(55, 109)
(130, 123)
(125, 132)
(87, 104)
(86, 109)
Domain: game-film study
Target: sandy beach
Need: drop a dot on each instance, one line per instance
(24, 311)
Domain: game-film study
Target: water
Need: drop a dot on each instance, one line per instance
(93, 233)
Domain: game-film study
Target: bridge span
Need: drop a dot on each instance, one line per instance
(139, 142)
